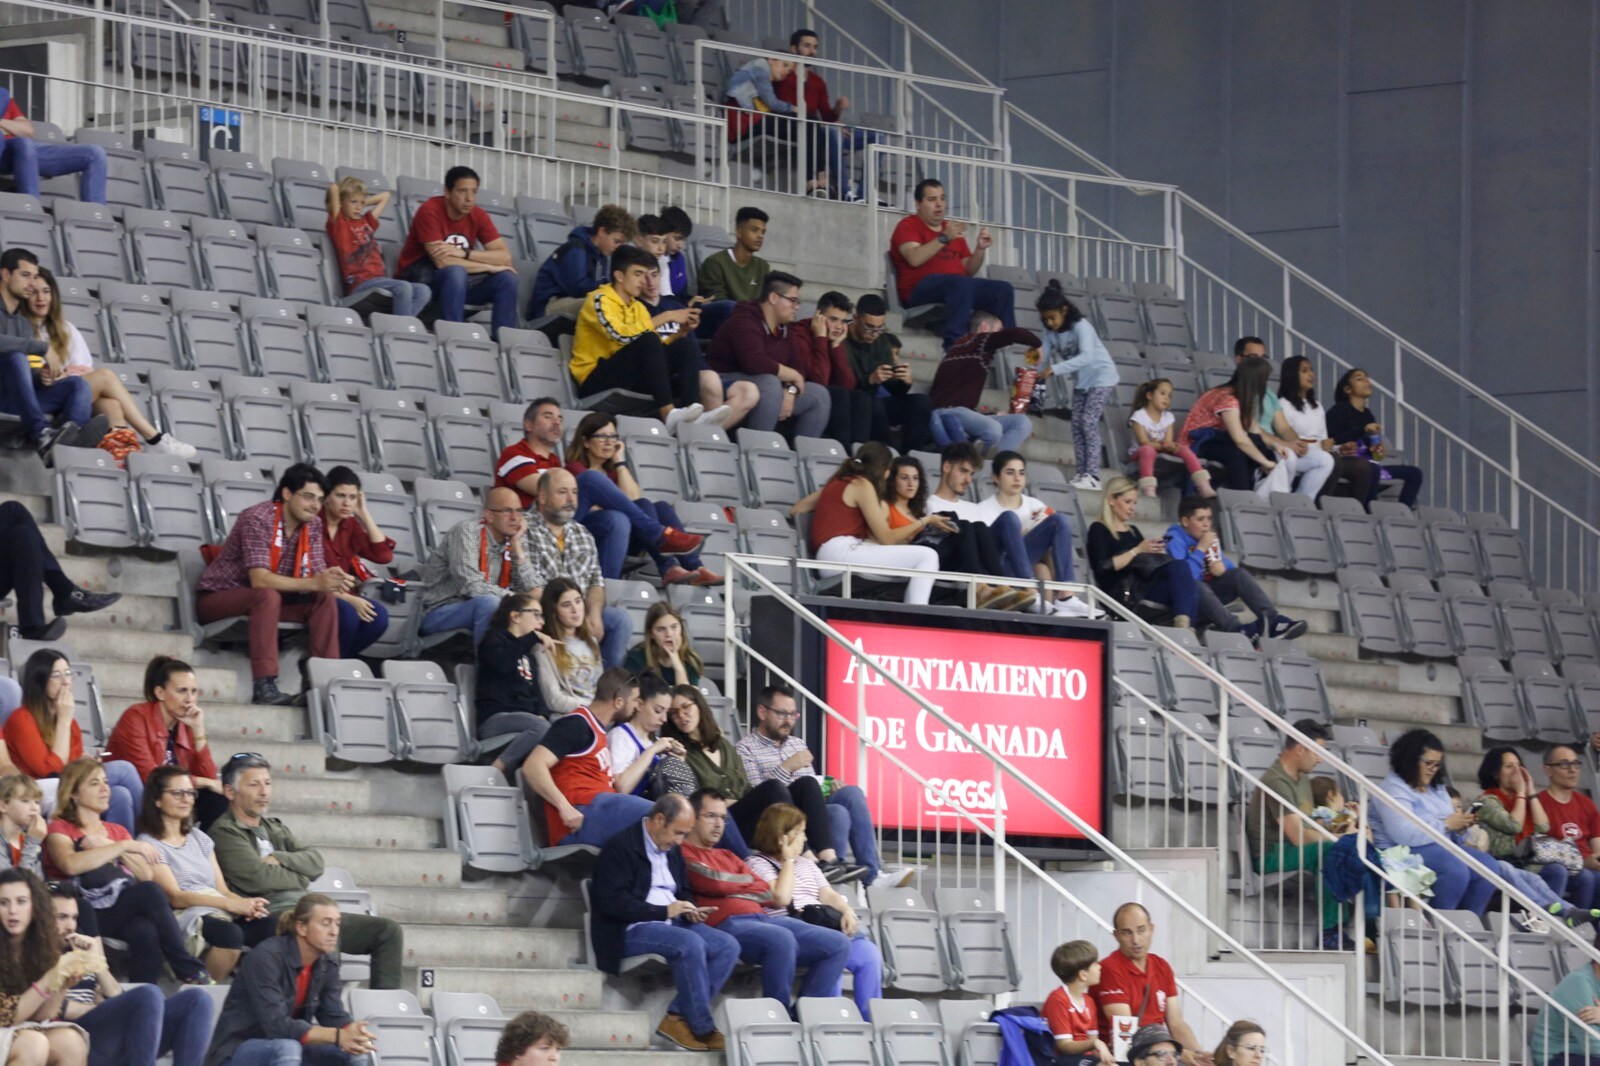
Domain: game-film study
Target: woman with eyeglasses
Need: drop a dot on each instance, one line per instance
(215, 920)
(42, 737)
(115, 875)
(1244, 1044)
(169, 729)
(1418, 782)
(506, 692)
(596, 445)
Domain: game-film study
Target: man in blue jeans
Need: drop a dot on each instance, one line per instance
(934, 264)
(28, 160)
(640, 904)
(454, 247)
(35, 395)
(479, 562)
(560, 547)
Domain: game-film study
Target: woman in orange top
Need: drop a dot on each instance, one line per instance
(169, 729)
(43, 737)
(969, 550)
(852, 522)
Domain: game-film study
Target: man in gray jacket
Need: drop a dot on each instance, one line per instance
(478, 563)
(29, 389)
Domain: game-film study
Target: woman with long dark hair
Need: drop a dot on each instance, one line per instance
(970, 549)
(570, 666)
(666, 650)
(169, 728)
(851, 522)
(35, 975)
(1297, 388)
(1244, 1044)
(506, 689)
(1222, 426)
(1360, 435)
(1418, 781)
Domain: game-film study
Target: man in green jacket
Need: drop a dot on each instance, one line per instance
(260, 857)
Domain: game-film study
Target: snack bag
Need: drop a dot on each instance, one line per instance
(1022, 389)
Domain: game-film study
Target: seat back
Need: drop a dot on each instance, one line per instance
(432, 723)
(92, 498)
(972, 1039)
(159, 248)
(652, 456)
(980, 952)
(227, 257)
(188, 408)
(209, 333)
(279, 339)
(260, 421)
(139, 325)
(471, 361)
(407, 353)
(179, 180)
(1250, 528)
(911, 939)
(761, 1033)
(352, 711)
(909, 1034)
(710, 464)
(165, 491)
(91, 241)
(292, 265)
(302, 192)
(835, 1033)
(396, 433)
(243, 188)
(772, 470)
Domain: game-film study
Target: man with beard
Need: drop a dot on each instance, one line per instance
(560, 547)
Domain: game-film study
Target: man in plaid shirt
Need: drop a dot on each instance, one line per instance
(560, 547)
(271, 570)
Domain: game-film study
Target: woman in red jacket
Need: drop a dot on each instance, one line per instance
(43, 737)
(351, 537)
(169, 729)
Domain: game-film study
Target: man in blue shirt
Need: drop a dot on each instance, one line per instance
(1220, 581)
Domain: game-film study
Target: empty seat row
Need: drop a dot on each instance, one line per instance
(412, 713)
(1531, 701)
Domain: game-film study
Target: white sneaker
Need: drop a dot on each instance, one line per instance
(895, 876)
(1072, 607)
(679, 415)
(716, 416)
(1085, 481)
(170, 445)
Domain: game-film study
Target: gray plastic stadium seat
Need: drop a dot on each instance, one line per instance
(911, 939)
(909, 1034)
(179, 180)
(501, 208)
(343, 345)
(772, 470)
(407, 352)
(652, 456)
(1414, 955)
(596, 45)
(1188, 688)
(1572, 631)
(835, 1033)
(1472, 975)
(431, 722)
(1454, 550)
(227, 257)
(1426, 615)
(471, 360)
(1250, 528)
(140, 325)
(634, 597)
(394, 509)
(260, 421)
(535, 37)
(819, 458)
(629, 963)
(1585, 693)
(411, 193)
(328, 424)
(125, 173)
(396, 433)
(1298, 689)
(767, 532)
(1138, 663)
(243, 188)
(1504, 555)
(462, 440)
(761, 1033)
(710, 464)
(1489, 697)
(1141, 765)
(1546, 697)
(648, 50)
(468, 1026)
(91, 498)
(292, 265)
(1120, 316)
(1237, 660)
(1404, 538)
(164, 493)
(280, 346)
(442, 505)
(351, 711)
(534, 367)
(1353, 533)
(231, 486)
(187, 407)
(1522, 619)
(1474, 622)
(979, 951)
(208, 334)
(1371, 612)
(971, 1038)
(545, 225)
(302, 192)
(91, 241)
(24, 224)
(88, 706)
(1304, 531)
(1359, 746)
(644, 132)
(159, 248)
(1166, 320)
(398, 1021)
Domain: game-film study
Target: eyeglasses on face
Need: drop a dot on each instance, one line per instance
(61, 675)
(503, 510)
(1565, 764)
(181, 793)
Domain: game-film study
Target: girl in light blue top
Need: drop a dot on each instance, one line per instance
(1417, 780)
(1071, 346)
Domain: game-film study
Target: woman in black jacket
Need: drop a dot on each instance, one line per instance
(1357, 432)
(507, 693)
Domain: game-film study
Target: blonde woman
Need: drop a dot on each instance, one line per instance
(1132, 567)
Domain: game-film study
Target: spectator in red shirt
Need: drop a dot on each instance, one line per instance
(819, 342)
(933, 264)
(803, 43)
(454, 248)
(958, 387)
(351, 538)
(1573, 818)
(1135, 980)
(169, 729)
(28, 160)
(531, 1039)
(1070, 1010)
(353, 228)
(271, 569)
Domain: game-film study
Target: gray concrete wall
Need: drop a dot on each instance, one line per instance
(1432, 160)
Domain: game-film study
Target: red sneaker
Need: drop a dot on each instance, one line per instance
(706, 576)
(677, 575)
(677, 542)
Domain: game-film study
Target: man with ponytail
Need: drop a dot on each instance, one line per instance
(285, 1007)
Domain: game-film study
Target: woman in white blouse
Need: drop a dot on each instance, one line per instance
(1306, 417)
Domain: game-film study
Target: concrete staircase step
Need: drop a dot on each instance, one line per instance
(596, 151)
(122, 680)
(578, 992)
(1352, 703)
(1330, 647)
(423, 867)
(312, 794)
(570, 112)
(526, 949)
(243, 726)
(132, 646)
(395, 832)
(489, 52)
(572, 1057)
(1382, 677)
(290, 759)
(151, 614)
(462, 906)
(121, 573)
(455, 11)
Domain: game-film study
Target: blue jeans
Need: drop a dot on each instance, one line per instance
(701, 959)
(839, 138)
(1018, 552)
(139, 1026)
(1459, 886)
(849, 820)
(356, 636)
(456, 289)
(293, 1053)
(1532, 885)
(780, 944)
(28, 160)
(36, 405)
(1175, 586)
(616, 523)
(410, 297)
(666, 515)
(713, 315)
(961, 296)
(607, 815)
(865, 965)
(471, 614)
(127, 794)
(998, 433)
(1577, 888)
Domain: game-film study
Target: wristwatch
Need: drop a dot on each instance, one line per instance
(943, 238)
(793, 390)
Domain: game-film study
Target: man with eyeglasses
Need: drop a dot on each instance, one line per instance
(1153, 1045)
(1573, 818)
(753, 345)
(819, 348)
(885, 379)
(1136, 982)
(479, 562)
(270, 570)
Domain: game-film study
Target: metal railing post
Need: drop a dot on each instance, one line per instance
(1223, 781)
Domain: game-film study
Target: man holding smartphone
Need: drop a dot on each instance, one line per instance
(874, 357)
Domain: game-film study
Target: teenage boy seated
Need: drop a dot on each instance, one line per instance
(676, 229)
(617, 346)
(735, 275)
(1220, 581)
(725, 408)
(578, 267)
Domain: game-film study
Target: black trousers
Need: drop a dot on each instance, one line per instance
(911, 411)
(220, 932)
(802, 792)
(970, 550)
(850, 420)
(1239, 470)
(1355, 470)
(26, 564)
(143, 917)
(669, 373)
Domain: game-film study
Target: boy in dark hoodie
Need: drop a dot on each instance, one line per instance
(578, 267)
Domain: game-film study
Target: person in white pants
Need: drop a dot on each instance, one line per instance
(1297, 458)
(852, 523)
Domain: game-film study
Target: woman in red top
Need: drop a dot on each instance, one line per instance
(851, 524)
(596, 445)
(1222, 426)
(350, 536)
(43, 737)
(169, 729)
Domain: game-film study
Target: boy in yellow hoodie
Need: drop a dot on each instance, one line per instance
(616, 345)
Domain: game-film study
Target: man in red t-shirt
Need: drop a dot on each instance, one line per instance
(819, 108)
(1135, 980)
(353, 228)
(933, 264)
(1573, 817)
(454, 248)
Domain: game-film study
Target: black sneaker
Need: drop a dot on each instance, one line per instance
(1284, 628)
(52, 631)
(81, 601)
(838, 873)
(266, 691)
(93, 432)
(65, 434)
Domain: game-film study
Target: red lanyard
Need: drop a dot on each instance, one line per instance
(302, 548)
(483, 558)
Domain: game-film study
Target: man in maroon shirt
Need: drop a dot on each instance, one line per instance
(934, 264)
(819, 341)
(754, 345)
(958, 387)
(819, 108)
(454, 247)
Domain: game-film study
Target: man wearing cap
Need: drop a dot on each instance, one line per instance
(1134, 981)
(1153, 1046)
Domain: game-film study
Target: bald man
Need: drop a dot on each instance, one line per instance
(477, 563)
(1136, 981)
(561, 547)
